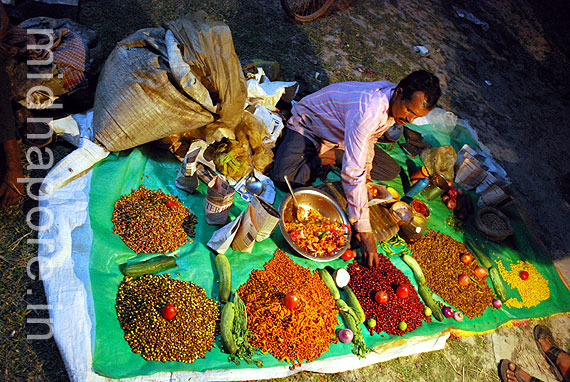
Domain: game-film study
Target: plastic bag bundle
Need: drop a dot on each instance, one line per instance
(440, 159)
(253, 128)
(232, 159)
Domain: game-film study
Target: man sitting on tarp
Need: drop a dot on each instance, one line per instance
(351, 116)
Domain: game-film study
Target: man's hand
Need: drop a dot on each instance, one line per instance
(368, 249)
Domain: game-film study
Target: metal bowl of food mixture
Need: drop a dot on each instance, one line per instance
(319, 229)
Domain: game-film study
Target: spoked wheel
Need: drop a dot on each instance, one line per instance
(305, 10)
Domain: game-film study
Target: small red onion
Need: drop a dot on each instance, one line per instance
(497, 303)
(448, 312)
(345, 335)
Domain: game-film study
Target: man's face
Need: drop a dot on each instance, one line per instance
(405, 111)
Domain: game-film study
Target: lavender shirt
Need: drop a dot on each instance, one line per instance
(351, 116)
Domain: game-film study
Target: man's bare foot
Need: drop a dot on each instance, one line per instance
(545, 344)
(523, 376)
(10, 190)
(510, 372)
(563, 358)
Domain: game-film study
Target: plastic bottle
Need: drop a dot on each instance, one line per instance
(417, 188)
(422, 172)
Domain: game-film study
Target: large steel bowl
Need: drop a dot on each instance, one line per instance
(312, 198)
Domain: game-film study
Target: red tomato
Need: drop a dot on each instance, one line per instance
(348, 255)
(291, 301)
(464, 280)
(480, 272)
(168, 312)
(402, 291)
(452, 192)
(524, 275)
(294, 235)
(381, 297)
(466, 258)
(171, 204)
(451, 204)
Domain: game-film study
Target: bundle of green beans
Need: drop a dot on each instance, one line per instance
(395, 246)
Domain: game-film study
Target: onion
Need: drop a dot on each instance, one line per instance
(345, 335)
(341, 277)
(448, 312)
(458, 316)
(497, 303)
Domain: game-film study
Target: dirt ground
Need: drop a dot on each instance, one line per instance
(510, 81)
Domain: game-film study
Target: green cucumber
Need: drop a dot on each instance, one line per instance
(352, 301)
(329, 282)
(428, 299)
(498, 284)
(227, 328)
(412, 263)
(348, 316)
(225, 275)
(155, 265)
(483, 259)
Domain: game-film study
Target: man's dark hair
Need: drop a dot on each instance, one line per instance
(422, 81)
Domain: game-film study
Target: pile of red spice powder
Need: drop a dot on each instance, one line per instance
(365, 282)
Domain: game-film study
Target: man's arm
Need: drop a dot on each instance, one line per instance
(363, 124)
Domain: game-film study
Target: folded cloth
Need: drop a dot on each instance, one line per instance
(67, 47)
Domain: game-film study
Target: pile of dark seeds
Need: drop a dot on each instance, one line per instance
(151, 221)
(185, 338)
(494, 222)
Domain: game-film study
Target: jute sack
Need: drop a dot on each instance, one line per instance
(137, 100)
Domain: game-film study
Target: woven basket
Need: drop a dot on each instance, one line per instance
(492, 233)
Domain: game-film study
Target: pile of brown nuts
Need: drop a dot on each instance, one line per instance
(186, 337)
(439, 257)
(151, 221)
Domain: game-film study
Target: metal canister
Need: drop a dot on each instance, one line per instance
(437, 185)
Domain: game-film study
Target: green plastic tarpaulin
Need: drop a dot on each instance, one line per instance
(122, 172)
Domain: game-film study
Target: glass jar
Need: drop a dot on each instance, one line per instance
(401, 212)
(415, 228)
